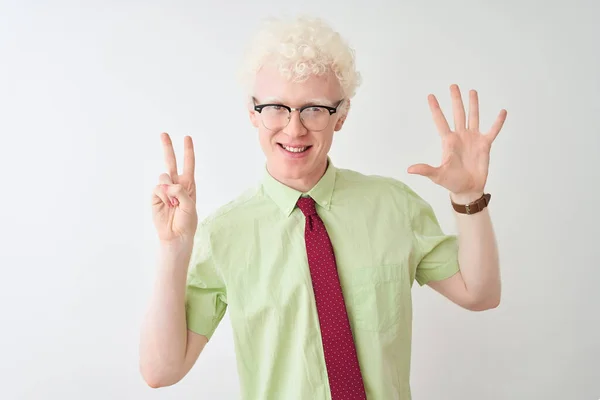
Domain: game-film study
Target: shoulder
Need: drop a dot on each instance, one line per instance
(230, 213)
(383, 188)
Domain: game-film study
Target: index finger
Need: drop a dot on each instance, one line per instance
(438, 116)
(189, 158)
(169, 153)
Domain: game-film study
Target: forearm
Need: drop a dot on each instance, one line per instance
(478, 255)
(164, 332)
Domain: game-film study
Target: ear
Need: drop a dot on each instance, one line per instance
(343, 116)
(252, 114)
(340, 123)
(253, 118)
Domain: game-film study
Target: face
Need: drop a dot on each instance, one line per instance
(296, 155)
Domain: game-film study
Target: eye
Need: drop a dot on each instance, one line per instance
(314, 111)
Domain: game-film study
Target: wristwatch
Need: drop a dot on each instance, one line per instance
(473, 207)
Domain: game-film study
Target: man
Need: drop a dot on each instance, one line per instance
(316, 263)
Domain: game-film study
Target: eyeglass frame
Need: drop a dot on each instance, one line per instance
(332, 110)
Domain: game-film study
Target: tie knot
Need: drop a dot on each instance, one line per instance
(307, 206)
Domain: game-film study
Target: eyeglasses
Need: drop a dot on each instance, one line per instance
(277, 116)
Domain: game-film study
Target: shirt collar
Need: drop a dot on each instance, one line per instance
(285, 197)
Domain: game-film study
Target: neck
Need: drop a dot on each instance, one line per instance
(305, 183)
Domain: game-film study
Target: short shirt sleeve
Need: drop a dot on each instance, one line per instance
(206, 295)
(436, 252)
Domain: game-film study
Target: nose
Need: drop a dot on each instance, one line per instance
(295, 128)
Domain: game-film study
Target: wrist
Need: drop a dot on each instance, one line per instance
(176, 246)
(465, 198)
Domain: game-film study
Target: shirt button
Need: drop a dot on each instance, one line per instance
(325, 202)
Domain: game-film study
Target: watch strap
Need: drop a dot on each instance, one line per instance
(473, 207)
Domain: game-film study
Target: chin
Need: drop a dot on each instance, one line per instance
(294, 166)
(291, 169)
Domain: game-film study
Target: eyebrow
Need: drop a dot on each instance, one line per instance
(321, 102)
(309, 102)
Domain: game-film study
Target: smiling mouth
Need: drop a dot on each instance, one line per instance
(294, 149)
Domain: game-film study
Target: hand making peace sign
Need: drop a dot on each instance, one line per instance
(466, 152)
(174, 198)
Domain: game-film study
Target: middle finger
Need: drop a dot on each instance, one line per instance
(169, 153)
(458, 109)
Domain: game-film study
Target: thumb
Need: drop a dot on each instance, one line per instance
(424, 170)
(178, 192)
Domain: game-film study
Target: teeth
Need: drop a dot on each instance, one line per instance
(294, 149)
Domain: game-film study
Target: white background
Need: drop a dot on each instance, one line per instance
(87, 87)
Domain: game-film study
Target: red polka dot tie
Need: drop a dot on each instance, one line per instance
(345, 380)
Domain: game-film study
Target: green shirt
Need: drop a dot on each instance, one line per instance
(249, 258)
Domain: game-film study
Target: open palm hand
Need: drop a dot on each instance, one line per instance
(465, 151)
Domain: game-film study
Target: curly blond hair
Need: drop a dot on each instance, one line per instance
(301, 47)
